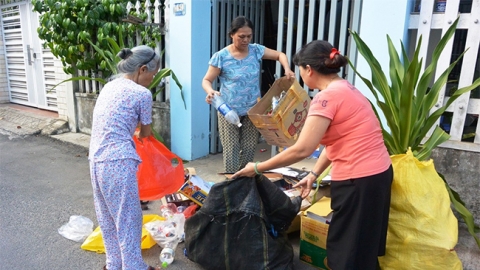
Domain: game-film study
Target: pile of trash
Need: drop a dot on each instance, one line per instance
(197, 214)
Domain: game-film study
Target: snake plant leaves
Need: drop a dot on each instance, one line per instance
(409, 102)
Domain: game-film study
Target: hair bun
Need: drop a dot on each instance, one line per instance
(124, 53)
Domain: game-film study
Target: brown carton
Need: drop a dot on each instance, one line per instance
(281, 126)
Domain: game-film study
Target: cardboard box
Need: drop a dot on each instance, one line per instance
(284, 124)
(176, 198)
(313, 234)
(196, 189)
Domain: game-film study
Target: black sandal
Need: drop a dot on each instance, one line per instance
(144, 205)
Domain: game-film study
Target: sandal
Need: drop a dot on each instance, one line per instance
(144, 205)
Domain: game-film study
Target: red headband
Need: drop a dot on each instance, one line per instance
(333, 53)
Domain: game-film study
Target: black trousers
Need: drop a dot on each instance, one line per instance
(358, 231)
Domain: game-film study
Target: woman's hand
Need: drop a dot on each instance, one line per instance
(210, 95)
(289, 74)
(306, 184)
(248, 171)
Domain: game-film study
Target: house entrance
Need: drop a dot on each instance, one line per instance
(30, 68)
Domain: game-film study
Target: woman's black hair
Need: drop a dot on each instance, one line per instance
(318, 55)
(239, 22)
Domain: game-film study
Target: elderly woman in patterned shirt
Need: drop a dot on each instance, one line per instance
(123, 104)
(238, 67)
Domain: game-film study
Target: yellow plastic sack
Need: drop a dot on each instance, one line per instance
(94, 241)
(422, 230)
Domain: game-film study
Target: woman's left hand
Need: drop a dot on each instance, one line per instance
(306, 185)
(248, 171)
(289, 74)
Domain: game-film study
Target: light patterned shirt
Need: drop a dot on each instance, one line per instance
(121, 105)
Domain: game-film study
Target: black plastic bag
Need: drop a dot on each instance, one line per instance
(242, 226)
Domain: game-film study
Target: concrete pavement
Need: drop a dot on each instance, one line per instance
(22, 121)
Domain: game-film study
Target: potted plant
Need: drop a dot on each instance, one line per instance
(420, 209)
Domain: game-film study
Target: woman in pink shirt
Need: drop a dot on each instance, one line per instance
(342, 119)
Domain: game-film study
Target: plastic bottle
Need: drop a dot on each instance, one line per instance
(168, 210)
(168, 254)
(225, 110)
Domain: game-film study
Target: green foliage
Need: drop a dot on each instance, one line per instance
(110, 58)
(408, 102)
(459, 205)
(88, 34)
(66, 25)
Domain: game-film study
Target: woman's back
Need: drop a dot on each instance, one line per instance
(115, 117)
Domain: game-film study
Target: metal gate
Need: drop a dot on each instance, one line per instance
(285, 25)
(30, 67)
(223, 12)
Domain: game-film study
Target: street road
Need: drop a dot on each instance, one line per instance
(42, 183)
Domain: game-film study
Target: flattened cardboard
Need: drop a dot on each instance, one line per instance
(195, 189)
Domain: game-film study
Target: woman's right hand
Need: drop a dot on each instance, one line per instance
(209, 97)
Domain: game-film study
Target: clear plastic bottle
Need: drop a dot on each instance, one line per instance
(225, 110)
(168, 254)
(168, 210)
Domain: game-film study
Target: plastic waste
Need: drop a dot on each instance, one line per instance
(168, 210)
(230, 115)
(181, 208)
(275, 102)
(168, 254)
(167, 233)
(77, 229)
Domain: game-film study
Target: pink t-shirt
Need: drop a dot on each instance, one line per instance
(354, 140)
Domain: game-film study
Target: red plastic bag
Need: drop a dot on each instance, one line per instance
(192, 209)
(161, 171)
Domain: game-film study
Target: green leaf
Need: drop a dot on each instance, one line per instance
(163, 74)
(79, 78)
(319, 181)
(459, 206)
(438, 137)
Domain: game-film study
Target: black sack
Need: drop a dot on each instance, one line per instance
(242, 225)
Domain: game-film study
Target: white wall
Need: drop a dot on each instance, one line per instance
(4, 96)
(380, 18)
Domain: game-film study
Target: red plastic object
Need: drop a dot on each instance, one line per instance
(192, 209)
(161, 171)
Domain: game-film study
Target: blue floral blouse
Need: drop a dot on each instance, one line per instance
(239, 79)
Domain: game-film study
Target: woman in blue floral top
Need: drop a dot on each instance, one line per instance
(238, 68)
(123, 104)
